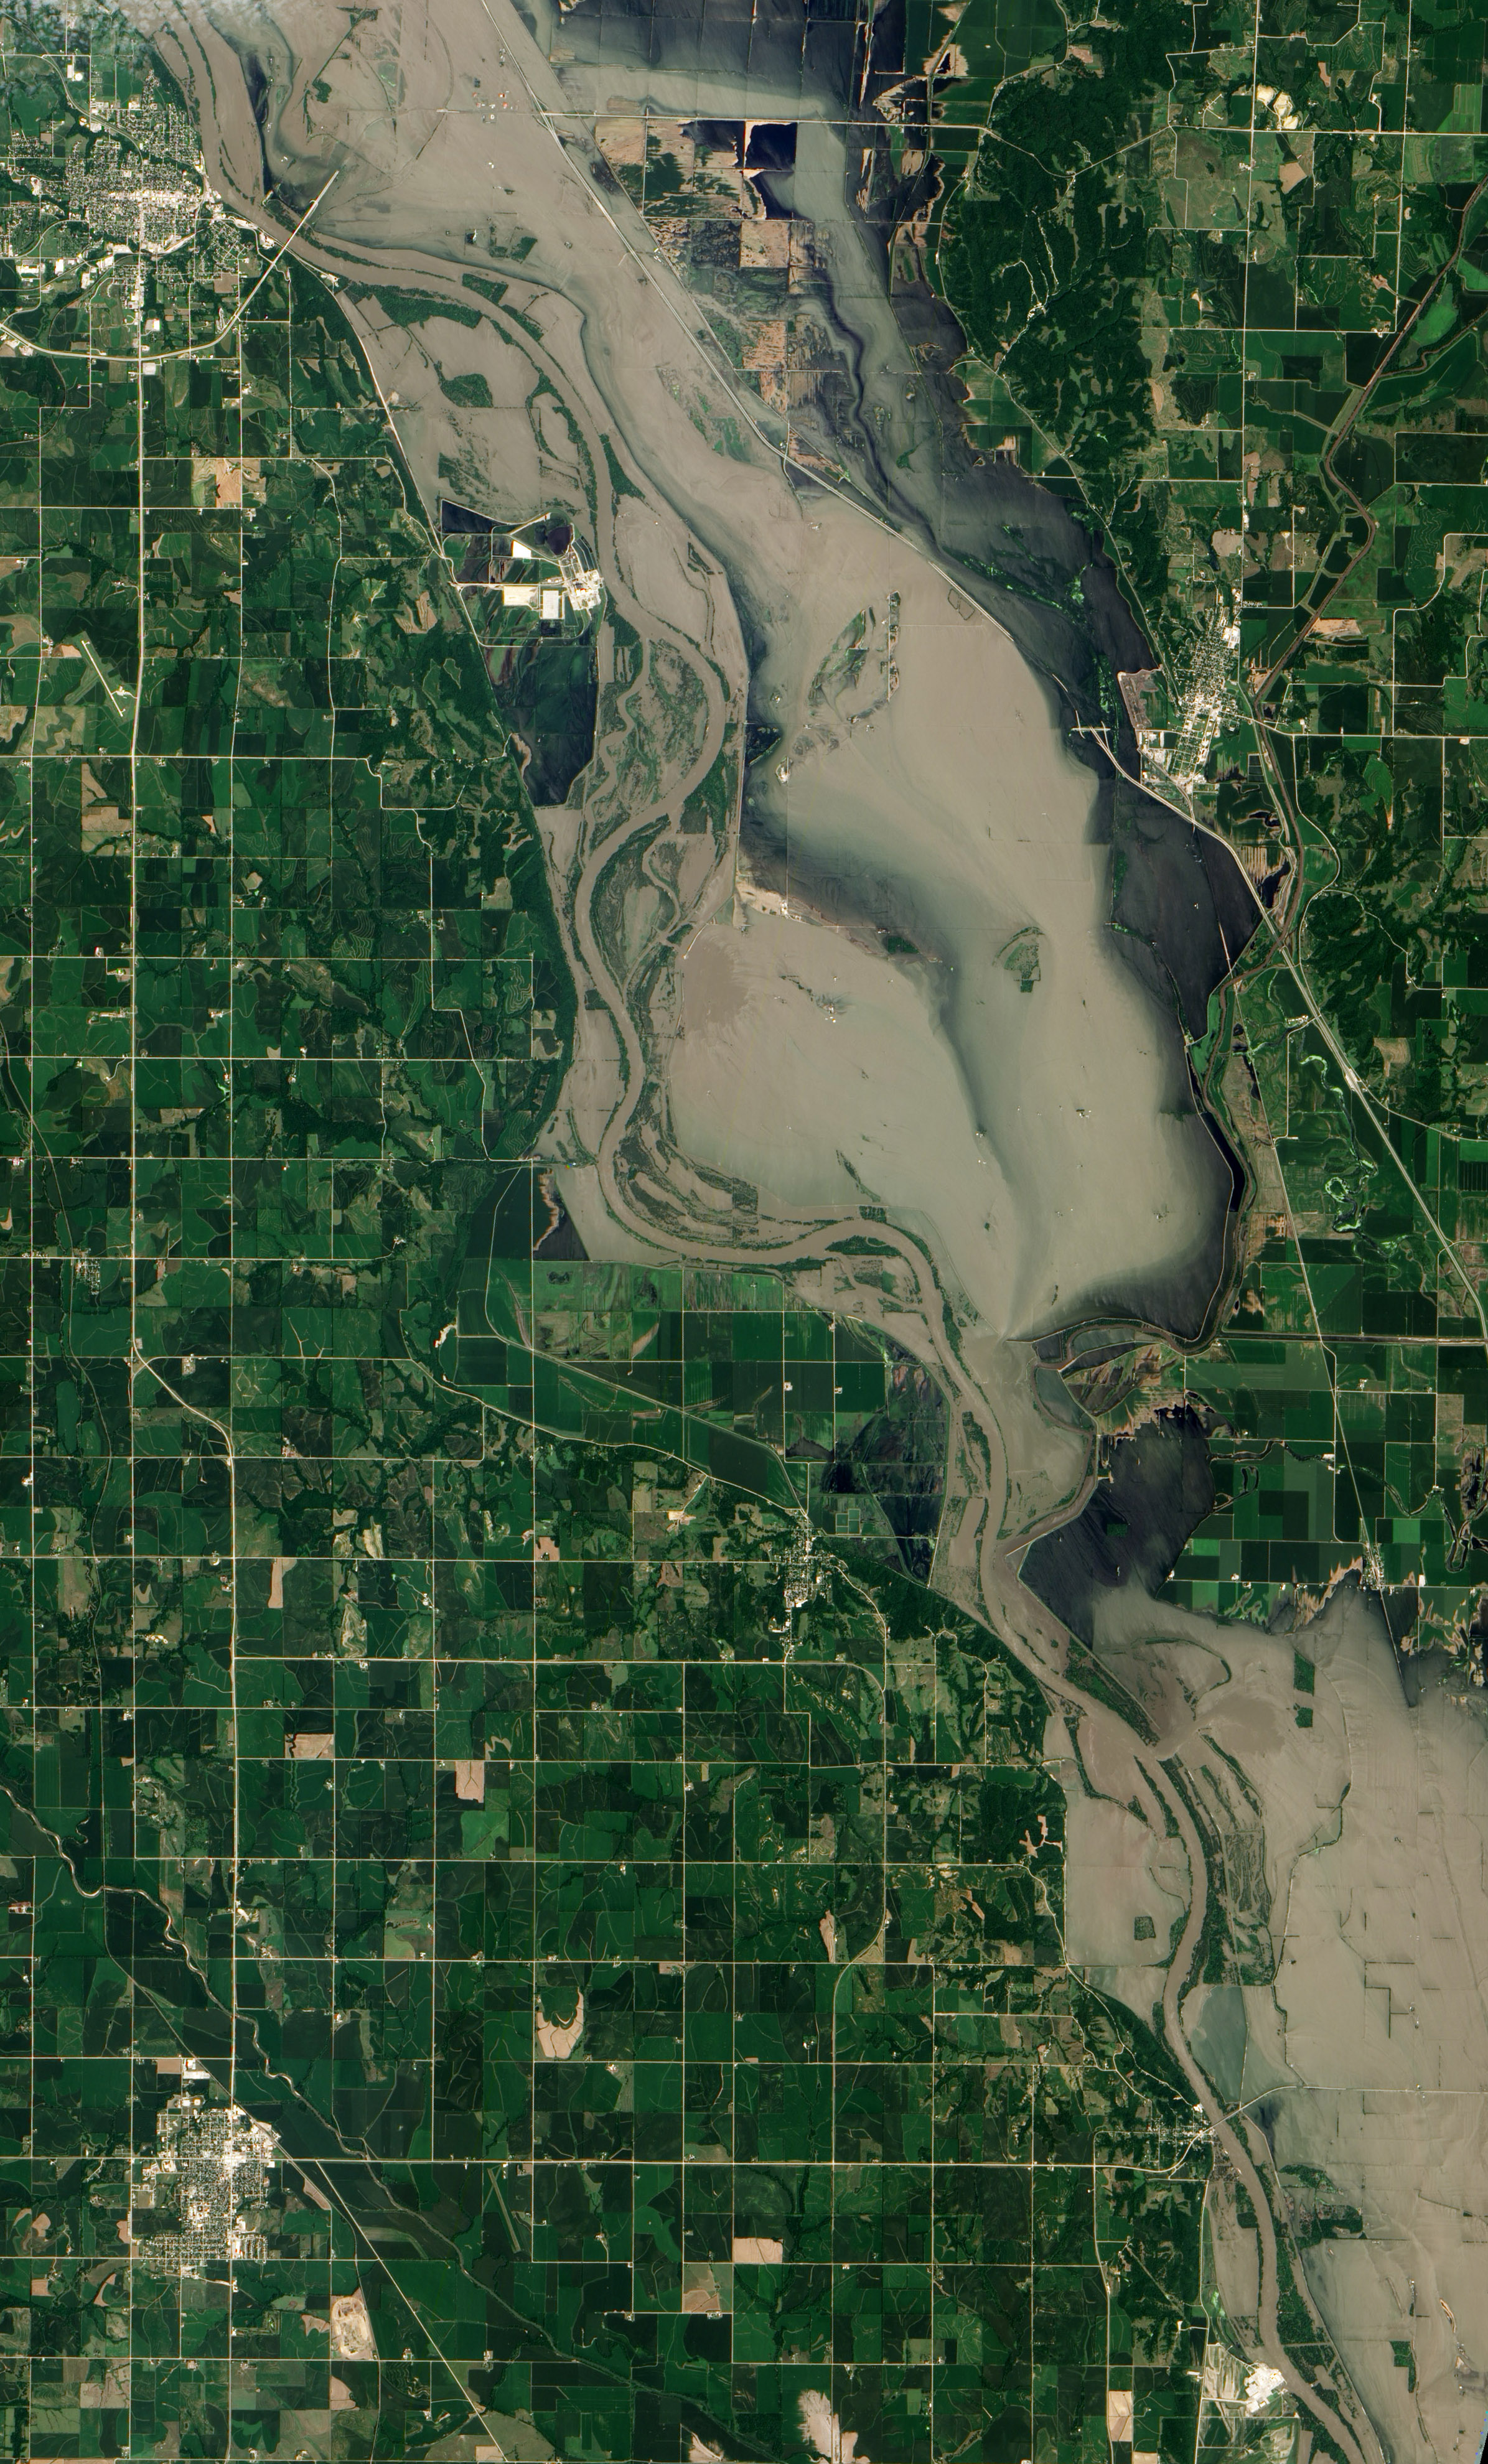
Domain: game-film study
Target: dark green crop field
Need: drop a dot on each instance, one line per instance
(1224, 280)
(531, 1931)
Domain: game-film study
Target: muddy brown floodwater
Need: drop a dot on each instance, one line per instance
(1002, 1085)
(951, 1041)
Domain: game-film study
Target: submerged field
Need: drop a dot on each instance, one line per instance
(574, 1242)
(923, 778)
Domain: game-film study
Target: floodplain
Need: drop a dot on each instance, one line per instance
(1045, 1133)
(860, 1097)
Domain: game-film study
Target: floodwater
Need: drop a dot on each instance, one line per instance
(1353, 1852)
(902, 994)
(905, 996)
(1044, 1128)
(915, 1003)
